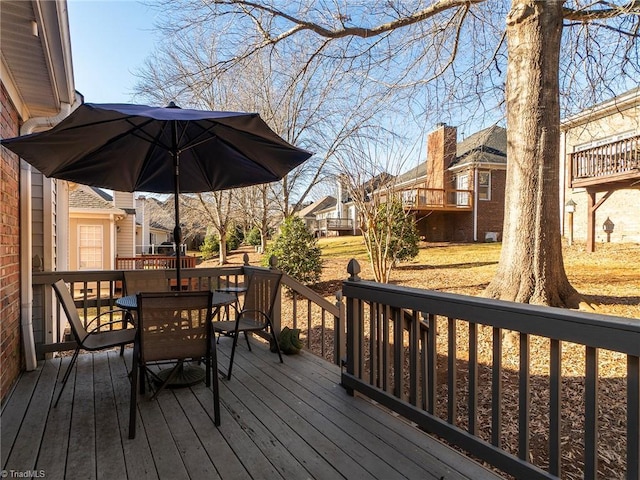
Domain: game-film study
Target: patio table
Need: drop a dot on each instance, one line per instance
(187, 375)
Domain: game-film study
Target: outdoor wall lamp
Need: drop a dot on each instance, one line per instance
(607, 226)
(34, 28)
(570, 208)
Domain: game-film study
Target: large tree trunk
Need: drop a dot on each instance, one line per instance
(531, 269)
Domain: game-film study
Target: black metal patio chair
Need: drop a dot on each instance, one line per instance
(256, 314)
(91, 337)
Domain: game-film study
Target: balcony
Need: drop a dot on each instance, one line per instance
(609, 166)
(425, 199)
(335, 224)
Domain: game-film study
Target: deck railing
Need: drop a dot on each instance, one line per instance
(417, 352)
(96, 292)
(325, 224)
(417, 198)
(614, 158)
(144, 262)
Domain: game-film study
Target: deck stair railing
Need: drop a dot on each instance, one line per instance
(418, 353)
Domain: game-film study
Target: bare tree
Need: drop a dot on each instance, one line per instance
(367, 172)
(455, 48)
(305, 106)
(217, 208)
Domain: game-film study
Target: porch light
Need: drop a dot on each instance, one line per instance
(34, 28)
(570, 206)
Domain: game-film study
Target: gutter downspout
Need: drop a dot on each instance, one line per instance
(26, 243)
(475, 203)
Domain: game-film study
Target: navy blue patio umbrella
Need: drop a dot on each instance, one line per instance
(131, 148)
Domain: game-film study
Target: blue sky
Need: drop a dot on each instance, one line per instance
(110, 40)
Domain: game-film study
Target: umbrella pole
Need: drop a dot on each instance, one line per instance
(177, 231)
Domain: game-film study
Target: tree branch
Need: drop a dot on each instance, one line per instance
(611, 10)
(362, 32)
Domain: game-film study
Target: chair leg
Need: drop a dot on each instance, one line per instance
(246, 337)
(66, 375)
(275, 340)
(233, 351)
(133, 402)
(215, 386)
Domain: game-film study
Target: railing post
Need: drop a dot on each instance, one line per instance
(339, 344)
(276, 320)
(352, 321)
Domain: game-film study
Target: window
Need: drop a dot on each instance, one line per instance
(90, 247)
(462, 183)
(484, 185)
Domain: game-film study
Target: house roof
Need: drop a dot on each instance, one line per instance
(82, 197)
(322, 204)
(486, 146)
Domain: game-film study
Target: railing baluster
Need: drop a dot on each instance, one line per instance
(386, 320)
(398, 350)
(322, 329)
(555, 407)
(432, 354)
(496, 389)
(452, 372)
(414, 356)
(591, 414)
(424, 366)
(473, 379)
(373, 313)
(309, 324)
(633, 417)
(524, 399)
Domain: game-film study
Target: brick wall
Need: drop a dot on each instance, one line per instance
(10, 341)
(491, 212)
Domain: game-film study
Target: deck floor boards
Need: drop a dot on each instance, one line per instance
(288, 421)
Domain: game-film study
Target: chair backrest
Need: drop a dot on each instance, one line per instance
(174, 325)
(70, 310)
(263, 286)
(145, 281)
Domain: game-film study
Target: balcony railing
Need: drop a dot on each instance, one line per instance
(417, 352)
(436, 199)
(334, 224)
(611, 159)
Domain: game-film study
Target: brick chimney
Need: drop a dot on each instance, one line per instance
(441, 151)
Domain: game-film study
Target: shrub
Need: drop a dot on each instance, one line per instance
(210, 247)
(297, 251)
(253, 237)
(234, 238)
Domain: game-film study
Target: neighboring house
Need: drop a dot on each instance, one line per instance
(323, 218)
(93, 228)
(457, 194)
(600, 181)
(36, 92)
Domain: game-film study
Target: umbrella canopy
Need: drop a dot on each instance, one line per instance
(159, 149)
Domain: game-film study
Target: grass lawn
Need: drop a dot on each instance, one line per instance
(609, 278)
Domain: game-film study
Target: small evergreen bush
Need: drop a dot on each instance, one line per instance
(253, 237)
(297, 251)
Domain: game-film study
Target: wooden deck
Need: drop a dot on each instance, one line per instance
(289, 421)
